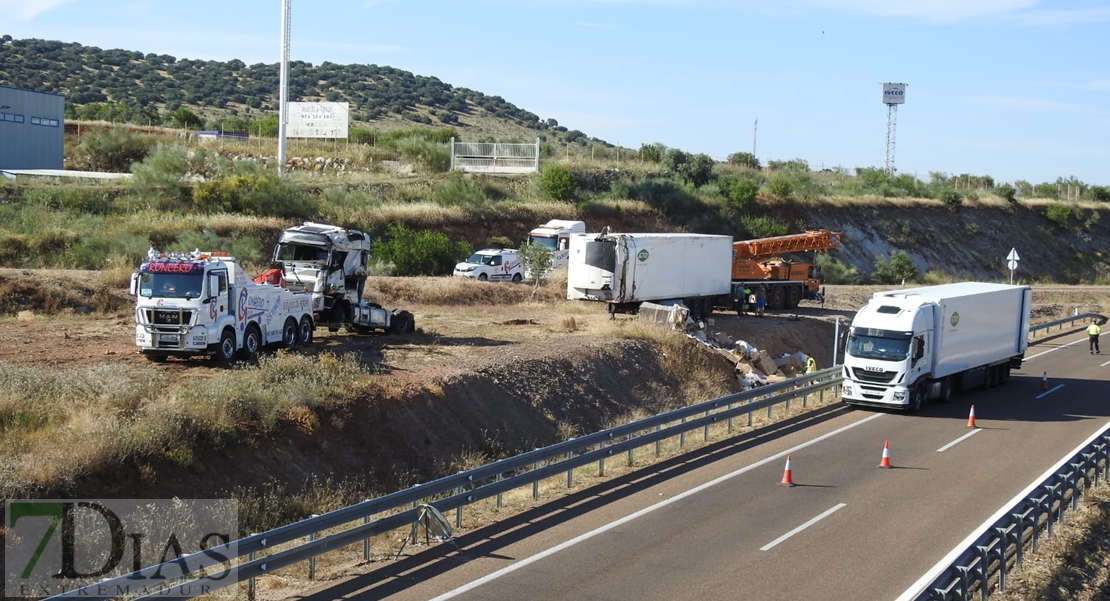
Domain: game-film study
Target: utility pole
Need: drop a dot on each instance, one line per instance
(755, 136)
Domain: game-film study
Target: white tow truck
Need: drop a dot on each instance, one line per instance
(203, 303)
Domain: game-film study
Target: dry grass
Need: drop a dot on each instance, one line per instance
(1071, 565)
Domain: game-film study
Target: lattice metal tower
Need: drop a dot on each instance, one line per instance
(891, 135)
(893, 95)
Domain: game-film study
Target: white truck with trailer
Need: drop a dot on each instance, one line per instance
(190, 304)
(555, 236)
(329, 263)
(625, 270)
(910, 346)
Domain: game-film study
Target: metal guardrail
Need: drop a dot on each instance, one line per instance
(981, 566)
(1060, 323)
(452, 493)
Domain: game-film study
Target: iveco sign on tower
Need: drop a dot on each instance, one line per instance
(894, 93)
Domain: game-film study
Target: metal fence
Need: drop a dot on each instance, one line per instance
(495, 157)
(257, 556)
(1066, 321)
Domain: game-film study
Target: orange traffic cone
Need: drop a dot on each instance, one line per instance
(971, 418)
(1044, 381)
(787, 477)
(886, 455)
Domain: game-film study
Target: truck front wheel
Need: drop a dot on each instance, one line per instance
(225, 352)
(917, 398)
(402, 323)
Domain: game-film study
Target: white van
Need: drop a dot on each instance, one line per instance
(493, 264)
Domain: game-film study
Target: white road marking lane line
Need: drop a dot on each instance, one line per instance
(958, 441)
(632, 516)
(1105, 364)
(1051, 350)
(1050, 391)
(824, 515)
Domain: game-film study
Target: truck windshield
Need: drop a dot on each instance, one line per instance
(550, 243)
(171, 285)
(874, 347)
(300, 252)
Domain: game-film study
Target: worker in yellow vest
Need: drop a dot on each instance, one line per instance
(1093, 331)
(811, 364)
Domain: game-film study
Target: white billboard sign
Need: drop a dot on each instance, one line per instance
(318, 119)
(894, 93)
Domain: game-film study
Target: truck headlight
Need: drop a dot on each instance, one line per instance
(899, 395)
(847, 389)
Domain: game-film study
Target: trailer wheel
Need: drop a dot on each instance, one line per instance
(304, 331)
(252, 343)
(225, 352)
(1005, 372)
(289, 333)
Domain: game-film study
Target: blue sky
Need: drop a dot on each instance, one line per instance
(1014, 89)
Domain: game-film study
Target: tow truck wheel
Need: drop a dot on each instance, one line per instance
(304, 332)
(252, 343)
(289, 333)
(226, 351)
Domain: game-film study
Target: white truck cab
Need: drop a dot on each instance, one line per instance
(493, 264)
(555, 236)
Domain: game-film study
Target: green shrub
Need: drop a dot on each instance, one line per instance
(742, 192)
(1007, 193)
(780, 187)
(836, 272)
(79, 199)
(557, 183)
(260, 194)
(662, 194)
(111, 149)
(652, 153)
(429, 156)
(102, 252)
(952, 199)
(1059, 213)
(361, 135)
(458, 190)
(762, 227)
(895, 269)
(418, 253)
(160, 177)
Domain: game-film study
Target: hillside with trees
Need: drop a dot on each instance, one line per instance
(122, 86)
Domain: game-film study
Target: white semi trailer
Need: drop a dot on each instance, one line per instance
(625, 270)
(909, 346)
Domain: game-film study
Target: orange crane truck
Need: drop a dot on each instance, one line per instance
(756, 262)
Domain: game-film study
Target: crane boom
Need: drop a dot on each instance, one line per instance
(765, 248)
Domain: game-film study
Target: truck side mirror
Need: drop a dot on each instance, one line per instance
(134, 286)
